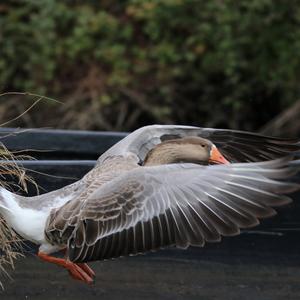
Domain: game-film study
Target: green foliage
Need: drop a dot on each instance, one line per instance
(127, 63)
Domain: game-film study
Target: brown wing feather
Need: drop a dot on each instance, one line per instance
(154, 207)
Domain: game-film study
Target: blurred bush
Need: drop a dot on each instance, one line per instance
(123, 64)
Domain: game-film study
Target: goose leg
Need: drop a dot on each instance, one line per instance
(80, 271)
(85, 267)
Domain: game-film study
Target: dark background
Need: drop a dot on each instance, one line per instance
(118, 65)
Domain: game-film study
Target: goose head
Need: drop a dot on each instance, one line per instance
(185, 150)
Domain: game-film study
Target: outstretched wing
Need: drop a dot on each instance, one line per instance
(236, 146)
(185, 204)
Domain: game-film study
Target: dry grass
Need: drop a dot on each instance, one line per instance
(10, 242)
(12, 177)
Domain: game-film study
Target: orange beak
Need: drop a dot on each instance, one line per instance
(217, 157)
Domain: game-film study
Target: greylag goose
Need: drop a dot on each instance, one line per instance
(160, 186)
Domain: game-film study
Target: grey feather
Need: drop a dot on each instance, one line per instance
(236, 146)
(197, 204)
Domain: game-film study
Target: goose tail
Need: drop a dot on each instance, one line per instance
(8, 201)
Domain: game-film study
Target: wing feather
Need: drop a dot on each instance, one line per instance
(149, 208)
(237, 146)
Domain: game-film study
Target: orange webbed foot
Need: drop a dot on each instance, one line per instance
(78, 271)
(86, 268)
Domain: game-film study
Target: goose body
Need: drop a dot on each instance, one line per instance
(29, 223)
(28, 215)
(157, 188)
